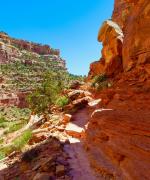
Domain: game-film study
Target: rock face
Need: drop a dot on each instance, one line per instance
(122, 10)
(111, 36)
(43, 162)
(117, 138)
(136, 46)
(119, 146)
(123, 45)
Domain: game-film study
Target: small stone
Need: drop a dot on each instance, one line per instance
(94, 102)
(74, 130)
(67, 118)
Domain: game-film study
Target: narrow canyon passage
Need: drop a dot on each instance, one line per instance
(79, 163)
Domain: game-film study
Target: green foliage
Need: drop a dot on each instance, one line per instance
(19, 142)
(1, 140)
(100, 82)
(2, 155)
(46, 94)
(3, 122)
(99, 79)
(62, 101)
(14, 127)
(11, 114)
(16, 145)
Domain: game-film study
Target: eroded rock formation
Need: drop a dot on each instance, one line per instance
(111, 36)
(136, 46)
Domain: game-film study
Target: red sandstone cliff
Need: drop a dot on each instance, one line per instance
(10, 47)
(118, 139)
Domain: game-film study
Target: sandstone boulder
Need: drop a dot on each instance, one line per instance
(77, 94)
(75, 84)
(74, 130)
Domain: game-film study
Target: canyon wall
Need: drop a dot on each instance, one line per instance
(12, 47)
(118, 136)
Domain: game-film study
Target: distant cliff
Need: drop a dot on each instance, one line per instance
(22, 64)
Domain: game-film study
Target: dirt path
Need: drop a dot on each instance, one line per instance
(80, 166)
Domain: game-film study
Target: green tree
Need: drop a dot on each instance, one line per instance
(44, 96)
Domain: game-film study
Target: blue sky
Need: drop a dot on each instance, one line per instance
(69, 25)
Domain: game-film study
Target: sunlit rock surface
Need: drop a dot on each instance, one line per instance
(117, 141)
(111, 36)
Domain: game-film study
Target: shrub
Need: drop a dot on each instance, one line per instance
(46, 95)
(11, 114)
(101, 82)
(22, 140)
(3, 122)
(4, 151)
(16, 145)
(98, 80)
(2, 119)
(62, 101)
(14, 127)
(1, 140)
(2, 155)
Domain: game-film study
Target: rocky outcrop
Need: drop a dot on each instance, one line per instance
(129, 14)
(111, 36)
(118, 136)
(46, 160)
(133, 49)
(119, 146)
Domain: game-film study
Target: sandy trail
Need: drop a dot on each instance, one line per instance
(79, 163)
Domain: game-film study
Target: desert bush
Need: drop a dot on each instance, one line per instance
(17, 144)
(3, 122)
(62, 101)
(100, 82)
(22, 140)
(2, 155)
(1, 140)
(14, 113)
(15, 127)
